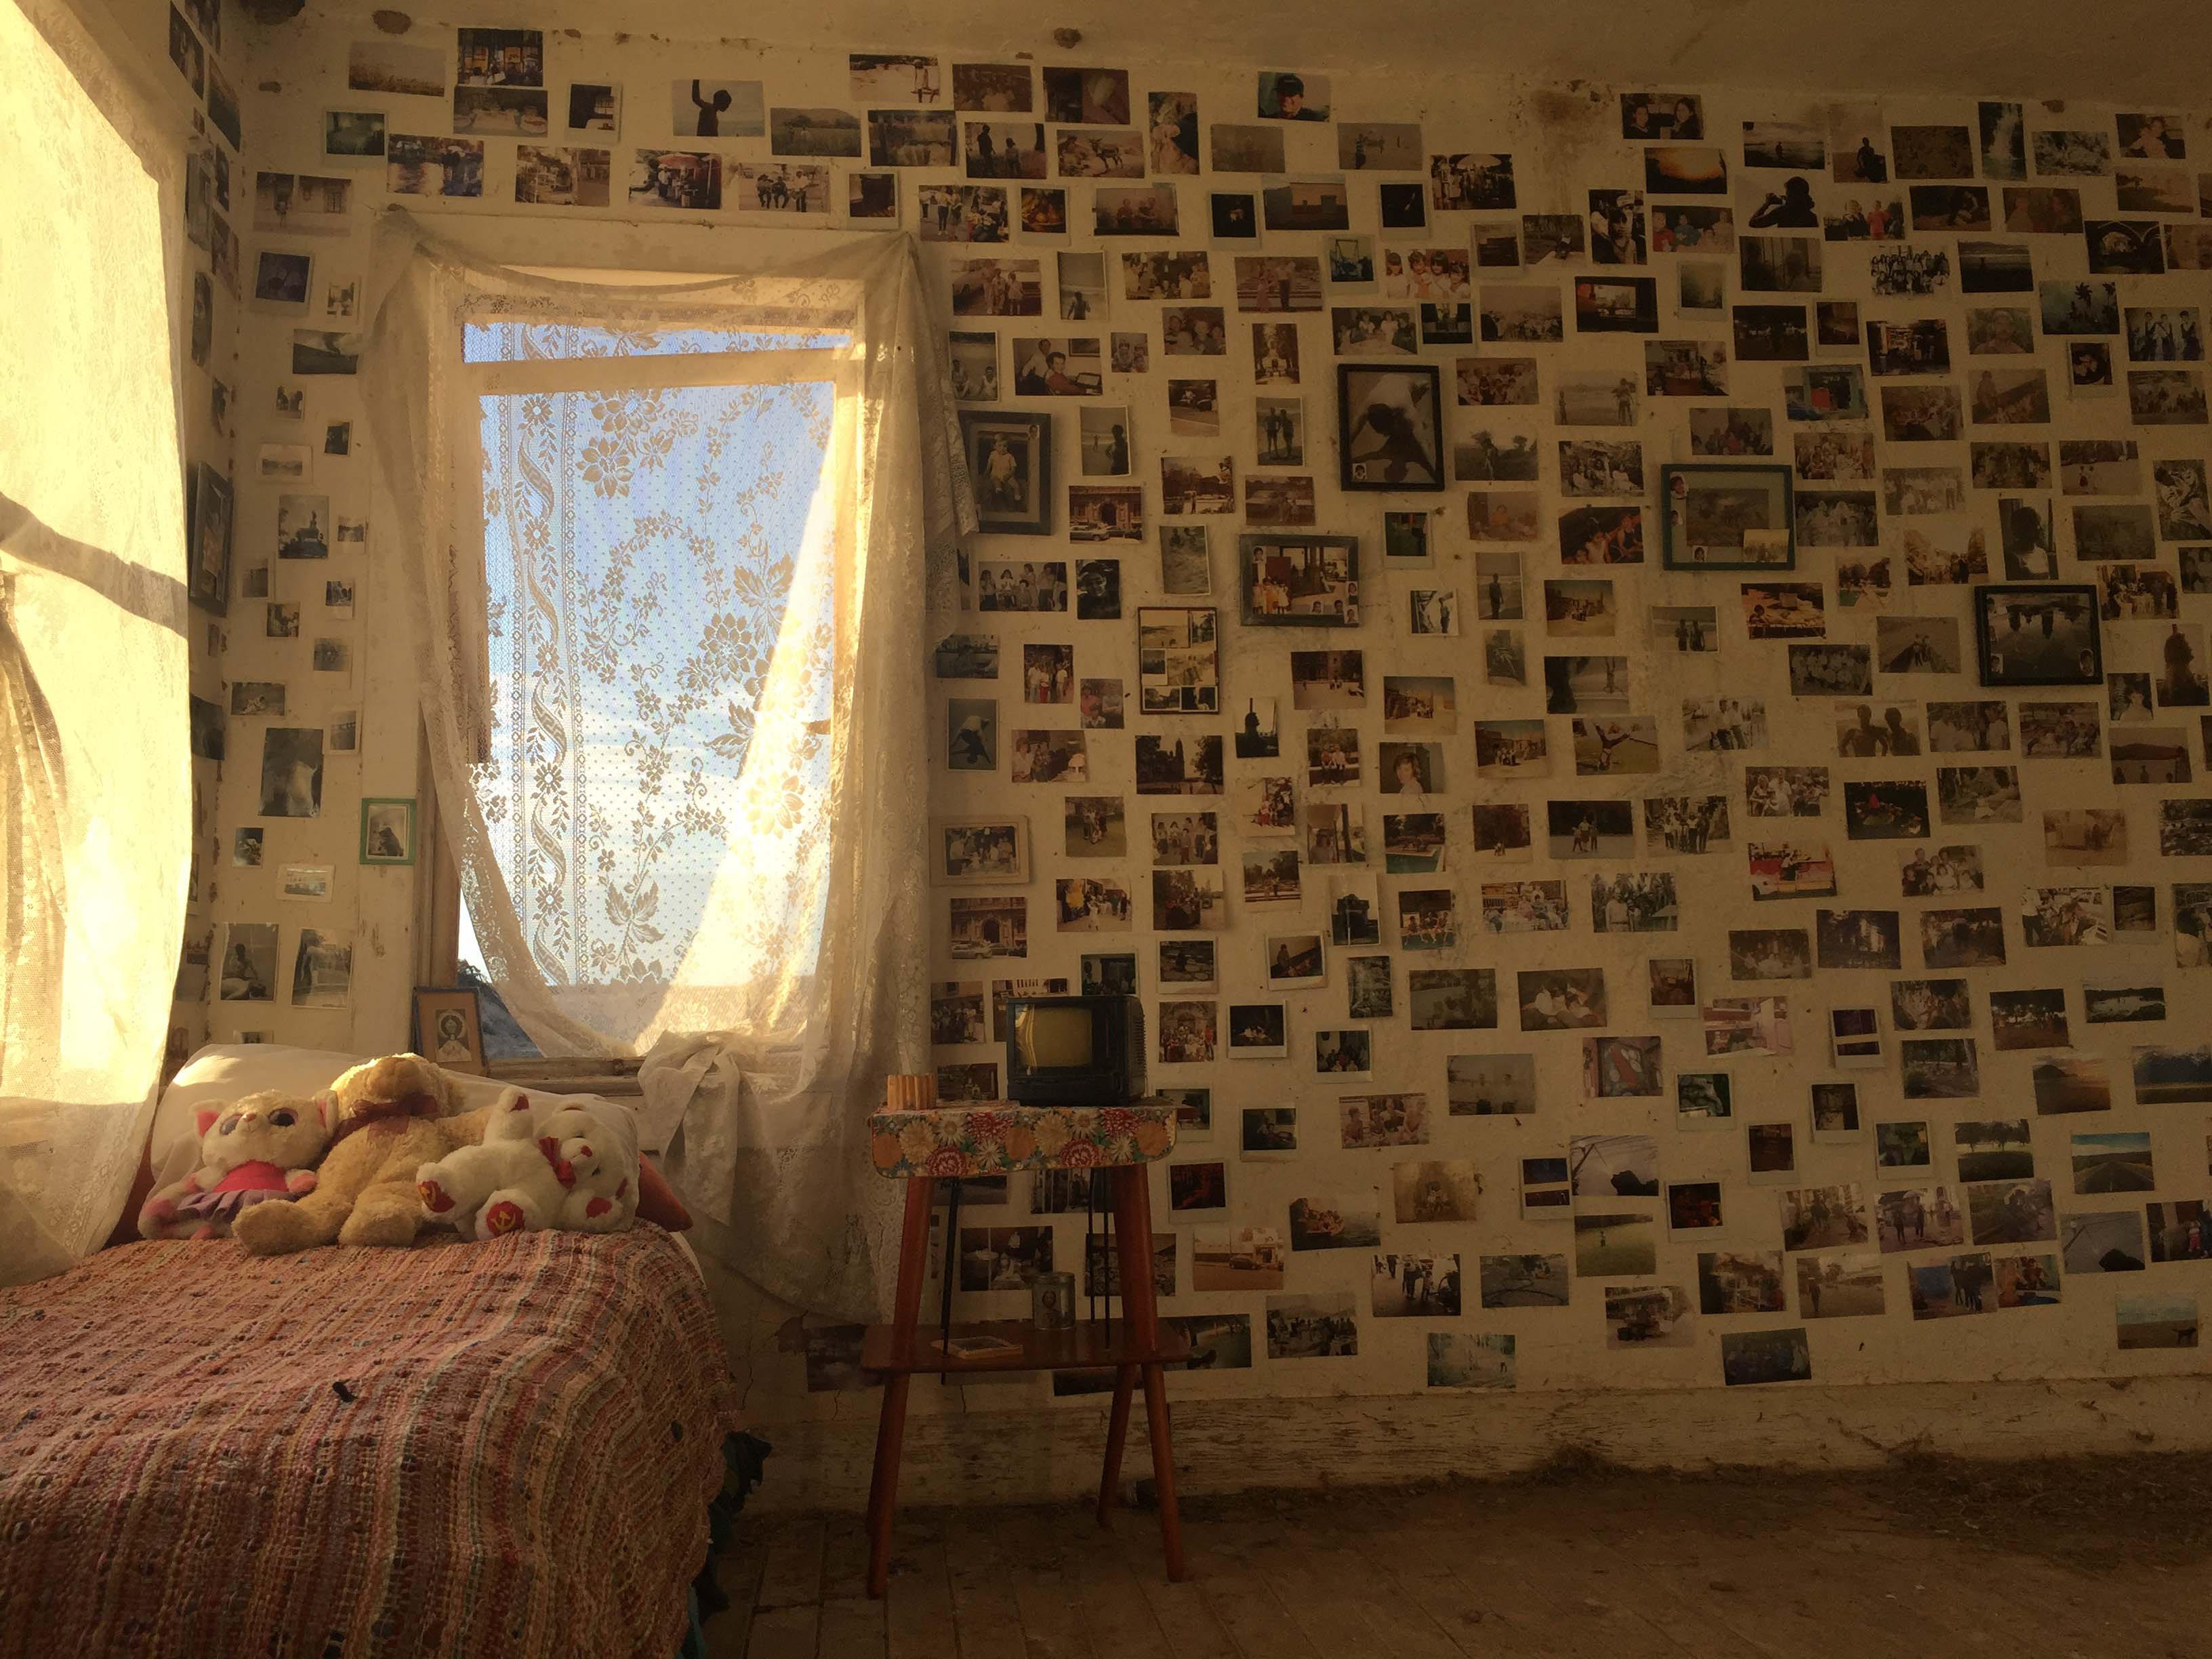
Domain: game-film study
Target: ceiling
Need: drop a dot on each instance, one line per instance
(2101, 50)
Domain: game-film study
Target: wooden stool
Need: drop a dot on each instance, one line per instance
(915, 1138)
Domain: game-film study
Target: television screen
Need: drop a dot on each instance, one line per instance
(1053, 1039)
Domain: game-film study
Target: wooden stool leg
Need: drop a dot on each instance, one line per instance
(890, 1442)
(1132, 1243)
(1133, 1215)
(890, 1428)
(1156, 1420)
(1117, 1436)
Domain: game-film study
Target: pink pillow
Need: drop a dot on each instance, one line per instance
(656, 1200)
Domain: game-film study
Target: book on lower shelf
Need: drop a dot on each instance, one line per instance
(975, 1347)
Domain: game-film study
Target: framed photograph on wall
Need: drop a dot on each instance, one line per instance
(449, 1028)
(1178, 659)
(2038, 633)
(388, 830)
(1390, 426)
(971, 852)
(1299, 581)
(1010, 460)
(1729, 515)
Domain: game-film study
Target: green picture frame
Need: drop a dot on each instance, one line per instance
(390, 821)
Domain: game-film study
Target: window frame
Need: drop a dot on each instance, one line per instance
(440, 898)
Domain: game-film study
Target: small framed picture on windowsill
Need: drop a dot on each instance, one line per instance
(388, 830)
(448, 1028)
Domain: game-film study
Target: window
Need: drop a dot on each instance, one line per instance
(95, 781)
(659, 560)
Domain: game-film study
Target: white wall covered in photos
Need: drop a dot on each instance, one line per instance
(1563, 146)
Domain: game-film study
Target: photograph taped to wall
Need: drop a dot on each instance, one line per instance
(322, 970)
(1178, 670)
(2040, 634)
(353, 135)
(994, 87)
(1522, 314)
(596, 107)
(1105, 153)
(1310, 582)
(429, 166)
(1490, 1085)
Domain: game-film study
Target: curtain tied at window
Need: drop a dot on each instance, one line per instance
(679, 543)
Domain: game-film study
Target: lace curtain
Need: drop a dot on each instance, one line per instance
(94, 763)
(675, 542)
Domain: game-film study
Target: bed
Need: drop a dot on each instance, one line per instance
(480, 1449)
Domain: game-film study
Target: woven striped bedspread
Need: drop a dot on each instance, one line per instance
(471, 1449)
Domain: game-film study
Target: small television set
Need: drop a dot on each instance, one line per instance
(1075, 1051)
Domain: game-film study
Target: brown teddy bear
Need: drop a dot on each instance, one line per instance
(389, 1117)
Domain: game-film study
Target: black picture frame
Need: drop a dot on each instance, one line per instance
(2007, 616)
(211, 514)
(1290, 600)
(1411, 459)
(997, 512)
(1680, 550)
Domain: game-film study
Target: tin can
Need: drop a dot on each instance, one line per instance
(1052, 1301)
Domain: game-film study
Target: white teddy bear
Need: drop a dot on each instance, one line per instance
(549, 1165)
(600, 1149)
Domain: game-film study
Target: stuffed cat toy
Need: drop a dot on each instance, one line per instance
(261, 1148)
(540, 1166)
(387, 1118)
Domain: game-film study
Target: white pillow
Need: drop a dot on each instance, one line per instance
(222, 1072)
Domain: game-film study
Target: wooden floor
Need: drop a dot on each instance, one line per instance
(2044, 1561)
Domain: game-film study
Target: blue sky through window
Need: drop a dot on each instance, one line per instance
(641, 550)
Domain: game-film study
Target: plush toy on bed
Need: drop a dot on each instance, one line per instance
(541, 1165)
(254, 1150)
(601, 1152)
(387, 1118)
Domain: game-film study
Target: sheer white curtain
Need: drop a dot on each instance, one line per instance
(675, 547)
(95, 765)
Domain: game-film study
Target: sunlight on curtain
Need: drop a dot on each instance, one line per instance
(94, 778)
(515, 343)
(674, 549)
(655, 559)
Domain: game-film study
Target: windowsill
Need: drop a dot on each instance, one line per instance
(615, 1079)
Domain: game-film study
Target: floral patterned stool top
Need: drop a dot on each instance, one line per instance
(1002, 1135)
